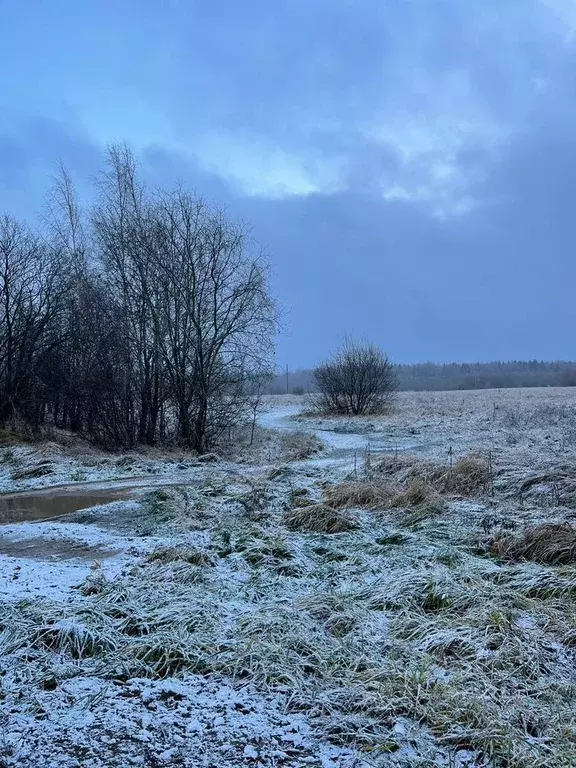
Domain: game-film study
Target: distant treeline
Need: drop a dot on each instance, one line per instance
(434, 376)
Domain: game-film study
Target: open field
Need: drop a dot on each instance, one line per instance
(400, 594)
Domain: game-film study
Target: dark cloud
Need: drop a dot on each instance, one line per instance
(425, 152)
(29, 155)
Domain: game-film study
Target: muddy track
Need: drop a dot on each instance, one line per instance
(50, 502)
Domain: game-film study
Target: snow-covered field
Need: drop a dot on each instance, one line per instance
(203, 617)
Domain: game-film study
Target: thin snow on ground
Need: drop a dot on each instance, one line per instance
(189, 626)
(190, 722)
(55, 557)
(51, 466)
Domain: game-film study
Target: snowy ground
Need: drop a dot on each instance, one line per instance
(188, 624)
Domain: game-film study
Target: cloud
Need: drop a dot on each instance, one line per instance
(409, 165)
(30, 150)
(295, 92)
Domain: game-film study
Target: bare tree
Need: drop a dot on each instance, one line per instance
(31, 299)
(123, 226)
(69, 366)
(215, 319)
(196, 302)
(359, 379)
(141, 322)
(63, 216)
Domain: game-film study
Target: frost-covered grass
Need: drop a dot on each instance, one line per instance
(539, 423)
(244, 624)
(397, 646)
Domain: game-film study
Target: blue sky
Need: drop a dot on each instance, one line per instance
(410, 165)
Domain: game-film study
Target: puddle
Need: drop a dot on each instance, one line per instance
(57, 500)
(20, 507)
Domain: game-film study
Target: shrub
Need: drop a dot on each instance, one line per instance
(359, 379)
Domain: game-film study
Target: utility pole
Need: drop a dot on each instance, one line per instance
(287, 379)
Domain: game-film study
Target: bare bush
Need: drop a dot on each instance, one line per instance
(358, 380)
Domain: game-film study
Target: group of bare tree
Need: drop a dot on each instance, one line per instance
(146, 319)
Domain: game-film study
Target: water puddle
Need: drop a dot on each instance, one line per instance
(20, 507)
(59, 500)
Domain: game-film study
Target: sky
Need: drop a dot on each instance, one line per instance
(408, 165)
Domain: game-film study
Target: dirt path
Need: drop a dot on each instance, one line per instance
(343, 447)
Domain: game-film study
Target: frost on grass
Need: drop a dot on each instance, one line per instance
(190, 555)
(43, 465)
(270, 446)
(359, 493)
(405, 649)
(409, 482)
(319, 518)
(238, 639)
(298, 444)
(467, 476)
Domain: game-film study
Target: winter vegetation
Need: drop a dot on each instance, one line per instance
(356, 381)
(195, 573)
(394, 590)
(143, 320)
(209, 558)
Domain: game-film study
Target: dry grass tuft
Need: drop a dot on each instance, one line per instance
(69, 636)
(363, 494)
(419, 502)
(469, 476)
(416, 493)
(392, 463)
(319, 518)
(421, 499)
(299, 445)
(549, 544)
